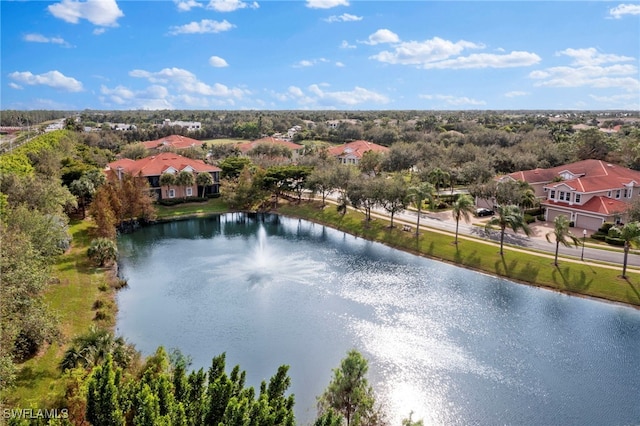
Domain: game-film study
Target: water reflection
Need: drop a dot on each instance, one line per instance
(454, 346)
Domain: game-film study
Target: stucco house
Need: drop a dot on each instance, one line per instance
(172, 141)
(352, 152)
(154, 166)
(296, 149)
(588, 192)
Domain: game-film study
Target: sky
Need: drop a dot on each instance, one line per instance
(320, 54)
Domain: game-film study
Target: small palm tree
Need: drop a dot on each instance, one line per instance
(509, 216)
(462, 209)
(204, 179)
(167, 179)
(562, 234)
(102, 251)
(185, 179)
(629, 233)
(418, 194)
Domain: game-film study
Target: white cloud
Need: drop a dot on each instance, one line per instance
(382, 36)
(425, 52)
(454, 100)
(345, 17)
(345, 45)
(515, 94)
(229, 5)
(187, 5)
(15, 86)
(591, 56)
(326, 4)
(340, 64)
(98, 31)
(588, 70)
(186, 82)
(53, 79)
(104, 13)
(624, 9)
(356, 96)
(487, 60)
(217, 62)
(205, 26)
(39, 38)
(305, 63)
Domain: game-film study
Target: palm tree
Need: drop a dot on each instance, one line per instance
(509, 216)
(462, 208)
(204, 179)
(167, 179)
(561, 232)
(629, 233)
(418, 194)
(439, 178)
(185, 179)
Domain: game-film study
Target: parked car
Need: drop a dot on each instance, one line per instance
(484, 212)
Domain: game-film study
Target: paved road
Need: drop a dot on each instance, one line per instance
(444, 221)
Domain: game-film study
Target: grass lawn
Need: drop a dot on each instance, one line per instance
(212, 206)
(536, 269)
(79, 285)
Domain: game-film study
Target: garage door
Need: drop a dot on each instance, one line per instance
(552, 214)
(588, 222)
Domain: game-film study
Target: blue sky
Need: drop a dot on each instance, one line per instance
(320, 54)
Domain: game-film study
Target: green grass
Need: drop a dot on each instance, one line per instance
(536, 269)
(71, 298)
(212, 206)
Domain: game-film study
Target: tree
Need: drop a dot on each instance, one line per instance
(204, 179)
(102, 251)
(439, 178)
(103, 407)
(320, 180)
(462, 209)
(167, 179)
(393, 196)
(349, 392)
(185, 179)
(508, 216)
(629, 233)
(562, 235)
(84, 189)
(418, 194)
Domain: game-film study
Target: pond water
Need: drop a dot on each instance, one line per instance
(452, 345)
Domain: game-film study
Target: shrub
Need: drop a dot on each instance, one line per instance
(540, 217)
(572, 224)
(529, 219)
(102, 251)
(605, 227)
(598, 236)
(614, 241)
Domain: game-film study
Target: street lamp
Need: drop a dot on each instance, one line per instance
(584, 237)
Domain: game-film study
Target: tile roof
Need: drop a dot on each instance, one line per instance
(591, 176)
(174, 141)
(600, 205)
(157, 164)
(356, 148)
(247, 146)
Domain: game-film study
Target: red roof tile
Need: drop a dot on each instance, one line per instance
(173, 141)
(356, 148)
(600, 205)
(247, 146)
(157, 164)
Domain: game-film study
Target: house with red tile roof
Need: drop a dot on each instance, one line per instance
(352, 152)
(172, 141)
(588, 192)
(296, 149)
(154, 166)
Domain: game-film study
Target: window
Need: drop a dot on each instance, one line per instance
(552, 195)
(189, 192)
(625, 193)
(172, 193)
(561, 197)
(618, 193)
(577, 198)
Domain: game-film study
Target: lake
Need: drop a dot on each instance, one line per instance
(452, 345)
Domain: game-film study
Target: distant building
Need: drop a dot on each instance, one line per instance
(352, 152)
(172, 141)
(154, 166)
(189, 125)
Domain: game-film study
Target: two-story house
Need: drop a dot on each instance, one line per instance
(588, 192)
(154, 166)
(352, 152)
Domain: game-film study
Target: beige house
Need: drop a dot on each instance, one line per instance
(588, 192)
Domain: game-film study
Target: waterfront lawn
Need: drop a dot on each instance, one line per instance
(211, 206)
(532, 268)
(72, 297)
